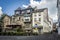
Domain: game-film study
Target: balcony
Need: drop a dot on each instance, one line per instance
(27, 19)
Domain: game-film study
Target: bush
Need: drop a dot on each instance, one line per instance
(35, 33)
(14, 33)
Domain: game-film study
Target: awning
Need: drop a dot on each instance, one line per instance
(36, 26)
(13, 25)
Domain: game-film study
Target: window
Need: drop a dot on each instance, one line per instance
(35, 24)
(50, 22)
(13, 19)
(23, 11)
(27, 25)
(28, 11)
(22, 19)
(35, 19)
(39, 19)
(35, 15)
(17, 12)
(18, 18)
(26, 19)
(39, 14)
(6, 21)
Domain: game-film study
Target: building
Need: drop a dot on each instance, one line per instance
(21, 18)
(55, 27)
(58, 8)
(41, 23)
(6, 22)
(50, 23)
(29, 20)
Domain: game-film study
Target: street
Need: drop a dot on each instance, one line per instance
(54, 36)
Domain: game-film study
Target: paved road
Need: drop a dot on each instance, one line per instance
(40, 37)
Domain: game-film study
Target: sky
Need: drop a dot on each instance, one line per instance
(8, 6)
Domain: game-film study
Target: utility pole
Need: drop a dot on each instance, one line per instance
(58, 8)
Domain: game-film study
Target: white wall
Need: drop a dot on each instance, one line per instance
(37, 18)
(51, 25)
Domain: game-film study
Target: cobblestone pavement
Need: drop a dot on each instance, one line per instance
(39, 37)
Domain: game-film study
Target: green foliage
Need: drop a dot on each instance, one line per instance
(18, 29)
(2, 16)
(1, 19)
(35, 33)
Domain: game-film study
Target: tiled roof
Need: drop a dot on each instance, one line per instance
(23, 9)
(39, 10)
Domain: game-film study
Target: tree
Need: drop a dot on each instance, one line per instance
(1, 21)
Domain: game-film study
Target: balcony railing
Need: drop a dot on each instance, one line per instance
(27, 20)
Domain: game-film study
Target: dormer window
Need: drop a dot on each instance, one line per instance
(28, 11)
(17, 12)
(39, 14)
(23, 11)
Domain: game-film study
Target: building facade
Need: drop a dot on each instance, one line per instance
(50, 23)
(22, 17)
(41, 21)
(30, 20)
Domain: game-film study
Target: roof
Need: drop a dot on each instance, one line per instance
(39, 10)
(19, 8)
(15, 15)
(29, 6)
(7, 16)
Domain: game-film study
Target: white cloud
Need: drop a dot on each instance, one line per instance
(0, 7)
(50, 4)
(25, 6)
(1, 11)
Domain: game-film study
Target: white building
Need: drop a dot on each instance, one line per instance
(40, 21)
(50, 23)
